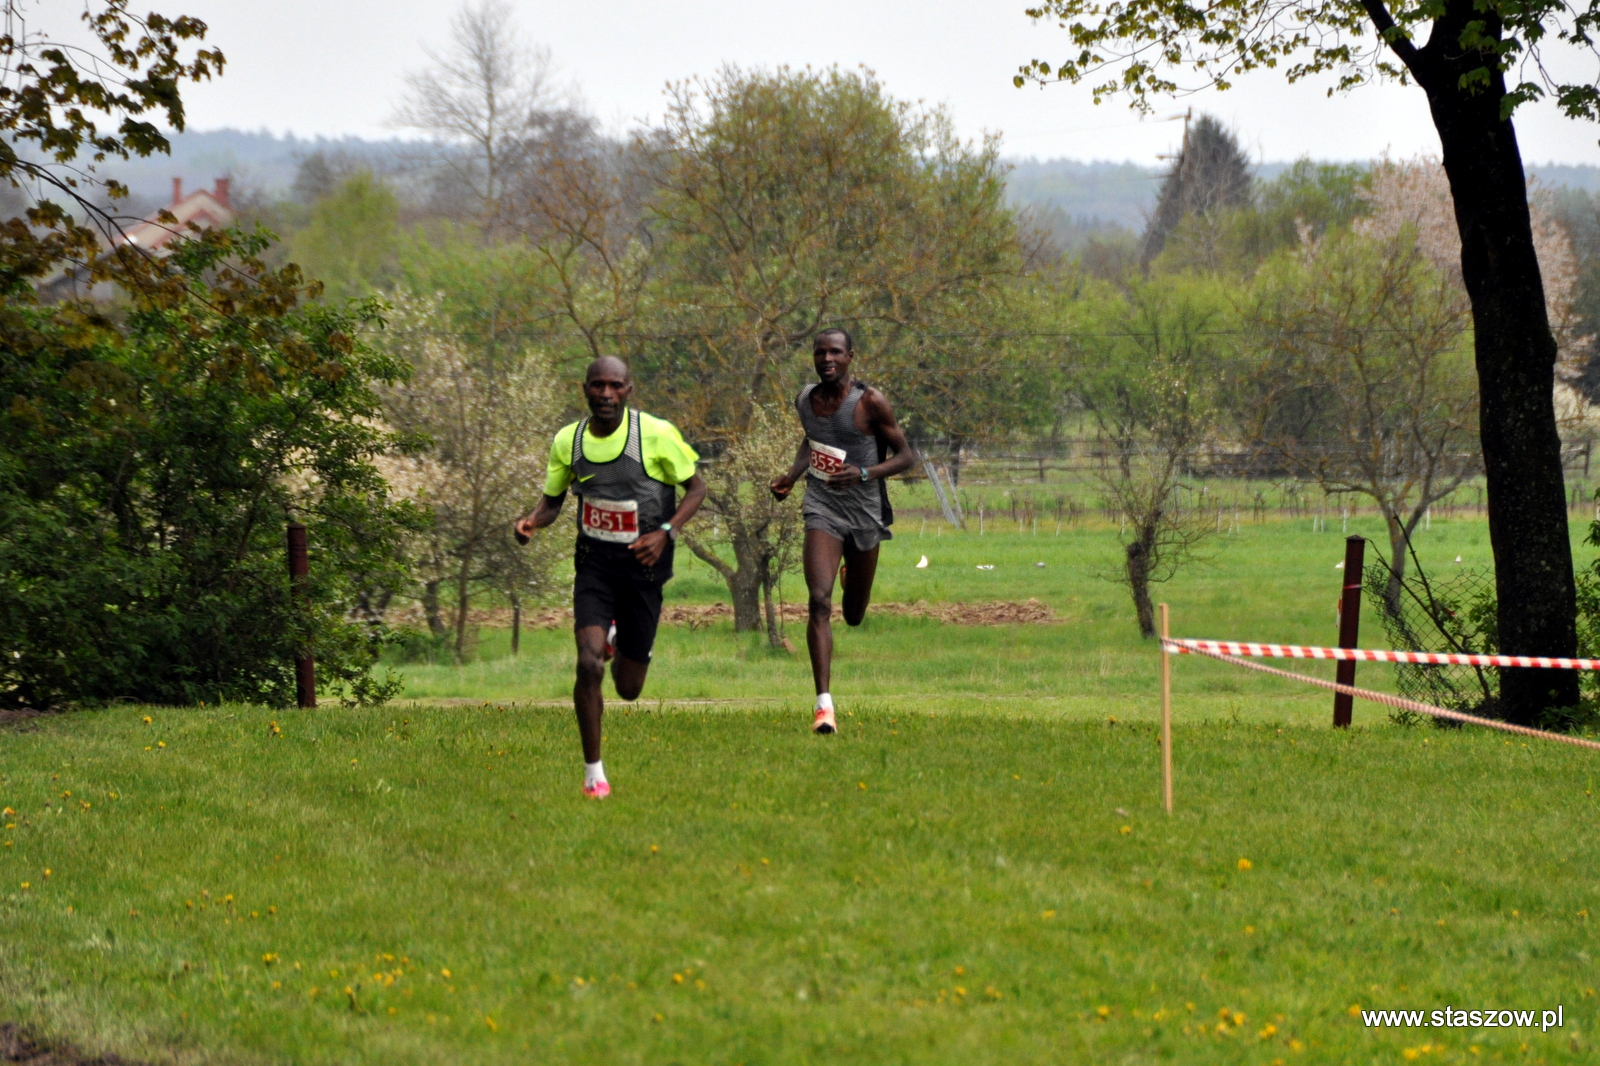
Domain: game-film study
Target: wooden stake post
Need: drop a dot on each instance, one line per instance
(1166, 717)
(1349, 627)
(305, 668)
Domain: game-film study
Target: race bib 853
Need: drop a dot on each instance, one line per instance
(613, 520)
(825, 461)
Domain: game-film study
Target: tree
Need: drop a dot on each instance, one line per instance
(351, 242)
(1462, 67)
(1210, 178)
(488, 416)
(1362, 377)
(53, 97)
(1148, 374)
(768, 532)
(486, 94)
(146, 471)
(785, 202)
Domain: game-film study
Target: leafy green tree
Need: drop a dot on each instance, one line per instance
(786, 202)
(351, 241)
(147, 470)
(52, 104)
(1460, 53)
(1359, 376)
(1150, 367)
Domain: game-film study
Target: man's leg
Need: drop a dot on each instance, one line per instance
(859, 570)
(593, 607)
(822, 552)
(586, 697)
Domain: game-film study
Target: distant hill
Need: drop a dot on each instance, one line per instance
(1067, 195)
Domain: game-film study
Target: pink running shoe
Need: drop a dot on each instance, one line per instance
(599, 790)
(823, 723)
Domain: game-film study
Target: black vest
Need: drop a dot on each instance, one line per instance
(618, 502)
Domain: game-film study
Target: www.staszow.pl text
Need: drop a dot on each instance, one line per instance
(1451, 1018)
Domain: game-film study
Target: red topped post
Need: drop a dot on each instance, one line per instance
(1355, 549)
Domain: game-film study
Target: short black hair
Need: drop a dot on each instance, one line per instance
(849, 341)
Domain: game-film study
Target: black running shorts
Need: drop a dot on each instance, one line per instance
(601, 596)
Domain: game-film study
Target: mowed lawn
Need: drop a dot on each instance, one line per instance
(955, 878)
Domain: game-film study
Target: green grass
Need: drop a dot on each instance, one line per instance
(1389, 868)
(978, 811)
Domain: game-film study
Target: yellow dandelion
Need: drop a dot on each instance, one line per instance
(959, 970)
(1354, 1010)
(269, 958)
(1104, 1012)
(27, 884)
(1245, 864)
(445, 974)
(161, 743)
(654, 849)
(1047, 915)
(1268, 1031)
(148, 719)
(862, 785)
(493, 1028)
(1249, 930)
(658, 1019)
(677, 978)
(47, 871)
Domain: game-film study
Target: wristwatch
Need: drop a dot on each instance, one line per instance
(864, 475)
(666, 527)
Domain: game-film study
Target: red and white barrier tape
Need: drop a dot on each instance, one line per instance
(1178, 646)
(1183, 646)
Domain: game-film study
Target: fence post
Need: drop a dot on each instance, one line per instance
(1166, 716)
(1355, 549)
(305, 667)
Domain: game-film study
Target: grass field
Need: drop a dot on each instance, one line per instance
(975, 870)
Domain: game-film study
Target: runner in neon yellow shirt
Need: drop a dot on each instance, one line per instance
(625, 467)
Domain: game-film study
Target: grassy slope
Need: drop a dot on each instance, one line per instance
(1385, 871)
(987, 838)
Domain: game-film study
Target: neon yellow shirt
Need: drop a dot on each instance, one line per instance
(667, 457)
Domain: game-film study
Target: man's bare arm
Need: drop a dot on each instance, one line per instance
(782, 486)
(548, 511)
(880, 423)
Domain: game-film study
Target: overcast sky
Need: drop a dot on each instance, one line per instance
(333, 67)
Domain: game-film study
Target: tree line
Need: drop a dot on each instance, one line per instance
(391, 370)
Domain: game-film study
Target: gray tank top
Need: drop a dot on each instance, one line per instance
(841, 441)
(618, 501)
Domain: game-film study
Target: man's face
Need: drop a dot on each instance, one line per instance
(831, 357)
(607, 390)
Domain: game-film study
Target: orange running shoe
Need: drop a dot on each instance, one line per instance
(823, 722)
(598, 790)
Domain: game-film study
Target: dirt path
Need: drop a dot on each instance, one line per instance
(17, 1047)
(996, 613)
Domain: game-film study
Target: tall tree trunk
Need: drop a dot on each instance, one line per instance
(430, 608)
(769, 581)
(1516, 355)
(744, 582)
(1139, 561)
(463, 602)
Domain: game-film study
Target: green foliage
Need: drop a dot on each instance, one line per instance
(146, 472)
(1143, 45)
(53, 96)
(351, 241)
(1305, 203)
(790, 201)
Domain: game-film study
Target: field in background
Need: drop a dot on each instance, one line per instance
(1270, 581)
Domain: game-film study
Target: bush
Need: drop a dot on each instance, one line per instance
(148, 467)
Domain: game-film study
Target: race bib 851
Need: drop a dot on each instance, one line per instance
(825, 461)
(613, 520)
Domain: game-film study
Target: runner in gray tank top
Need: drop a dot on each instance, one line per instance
(847, 505)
